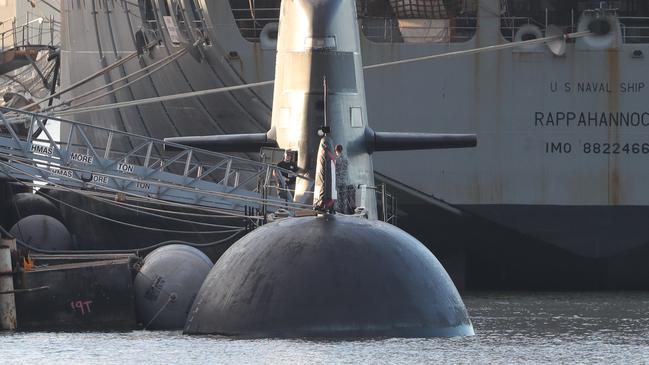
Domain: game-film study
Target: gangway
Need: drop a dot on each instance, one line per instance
(95, 158)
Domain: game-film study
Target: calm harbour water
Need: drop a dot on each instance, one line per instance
(513, 328)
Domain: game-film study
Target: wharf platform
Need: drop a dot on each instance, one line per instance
(74, 292)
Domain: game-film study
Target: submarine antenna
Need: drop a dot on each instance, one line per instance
(324, 86)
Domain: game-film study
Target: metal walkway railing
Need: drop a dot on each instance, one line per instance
(136, 165)
(36, 32)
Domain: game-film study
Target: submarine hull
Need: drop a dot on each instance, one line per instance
(328, 276)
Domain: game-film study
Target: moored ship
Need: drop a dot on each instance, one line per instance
(554, 195)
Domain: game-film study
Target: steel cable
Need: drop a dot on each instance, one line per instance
(214, 211)
(89, 78)
(126, 251)
(156, 66)
(114, 220)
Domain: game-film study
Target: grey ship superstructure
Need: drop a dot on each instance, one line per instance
(553, 197)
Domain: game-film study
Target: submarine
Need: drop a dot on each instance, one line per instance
(327, 275)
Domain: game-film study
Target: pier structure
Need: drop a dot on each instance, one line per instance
(93, 290)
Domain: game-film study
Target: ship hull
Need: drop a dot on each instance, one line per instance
(535, 189)
(482, 254)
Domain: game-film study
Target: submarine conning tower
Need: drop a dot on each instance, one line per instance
(319, 87)
(319, 39)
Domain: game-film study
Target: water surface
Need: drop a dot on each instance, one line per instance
(519, 328)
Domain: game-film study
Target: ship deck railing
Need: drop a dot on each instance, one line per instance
(389, 30)
(386, 29)
(36, 32)
(251, 23)
(635, 29)
(376, 28)
(509, 25)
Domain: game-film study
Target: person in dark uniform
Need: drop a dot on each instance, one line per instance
(345, 191)
(288, 163)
